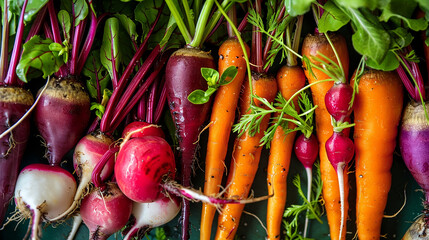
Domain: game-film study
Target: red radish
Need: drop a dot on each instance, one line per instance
(151, 215)
(306, 150)
(62, 116)
(141, 166)
(88, 152)
(43, 191)
(105, 212)
(183, 76)
(14, 103)
(143, 129)
(340, 150)
(338, 100)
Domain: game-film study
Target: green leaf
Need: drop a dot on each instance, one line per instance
(403, 10)
(36, 54)
(146, 12)
(424, 4)
(369, 4)
(298, 7)
(370, 39)
(198, 97)
(228, 75)
(210, 75)
(96, 73)
(14, 11)
(55, 47)
(389, 63)
(80, 11)
(333, 18)
(99, 109)
(128, 25)
(109, 50)
(64, 20)
(400, 38)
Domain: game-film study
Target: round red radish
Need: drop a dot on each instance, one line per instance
(306, 150)
(141, 166)
(143, 129)
(106, 212)
(62, 116)
(43, 191)
(340, 149)
(337, 101)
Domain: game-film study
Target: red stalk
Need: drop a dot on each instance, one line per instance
(141, 108)
(37, 24)
(243, 23)
(55, 30)
(4, 45)
(269, 39)
(96, 173)
(257, 59)
(161, 102)
(77, 39)
(11, 77)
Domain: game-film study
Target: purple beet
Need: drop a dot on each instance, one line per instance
(62, 116)
(14, 103)
(183, 76)
(414, 146)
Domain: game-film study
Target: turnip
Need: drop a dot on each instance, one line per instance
(151, 215)
(88, 152)
(105, 212)
(43, 192)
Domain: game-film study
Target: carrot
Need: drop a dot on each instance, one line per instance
(377, 113)
(222, 118)
(312, 46)
(245, 158)
(289, 80)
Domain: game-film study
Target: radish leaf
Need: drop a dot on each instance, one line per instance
(36, 54)
(298, 7)
(333, 18)
(402, 12)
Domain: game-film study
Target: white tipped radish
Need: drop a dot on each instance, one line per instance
(77, 221)
(43, 191)
(151, 215)
(88, 152)
(105, 212)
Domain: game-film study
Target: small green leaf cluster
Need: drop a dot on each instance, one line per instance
(213, 82)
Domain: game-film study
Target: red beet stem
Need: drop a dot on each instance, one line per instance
(96, 173)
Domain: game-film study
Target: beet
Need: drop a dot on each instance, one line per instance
(14, 103)
(62, 116)
(183, 76)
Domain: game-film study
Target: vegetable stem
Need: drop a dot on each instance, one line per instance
(189, 17)
(180, 23)
(4, 43)
(201, 24)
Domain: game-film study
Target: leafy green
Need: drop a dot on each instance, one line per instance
(64, 20)
(128, 25)
(403, 10)
(213, 82)
(333, 18)
(80, 11)
(101, 107)
(369, 4)
(36, 54)
(109, 51)
(146, 13)
(96, 73)
(298, 7)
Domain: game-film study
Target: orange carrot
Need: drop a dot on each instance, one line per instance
(312, 46)
(377, 113)
(245, 158)
(289, 80)
(222, 118)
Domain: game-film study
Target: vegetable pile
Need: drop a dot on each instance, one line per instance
(123, 114)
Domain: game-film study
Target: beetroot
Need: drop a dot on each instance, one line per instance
(143, 129)
(141, 166)
(62, 116)
(183, 76)
(106, 212)
(14, 103)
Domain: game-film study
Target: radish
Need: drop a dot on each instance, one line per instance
(151, 215)
(105, 212)
(88, 152)
(306, 150)
(143, 129)
(339, 97)
(43, 191)
(15, 101)
(141, 166)
(340, 150)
